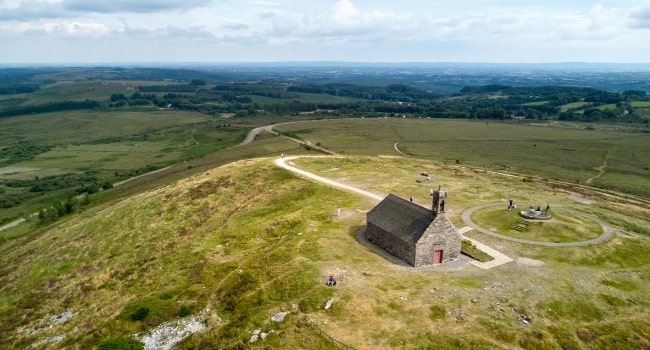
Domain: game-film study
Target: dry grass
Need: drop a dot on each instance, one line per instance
(248, 240)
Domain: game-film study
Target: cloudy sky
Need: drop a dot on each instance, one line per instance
(94, 31)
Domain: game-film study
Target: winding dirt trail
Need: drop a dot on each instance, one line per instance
(601, 169)
(282, 163)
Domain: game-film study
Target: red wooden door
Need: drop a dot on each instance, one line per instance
(437, 257)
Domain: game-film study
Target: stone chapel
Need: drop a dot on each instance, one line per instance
(413, 233)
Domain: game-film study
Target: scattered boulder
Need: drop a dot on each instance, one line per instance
(279, 317)
(328, 304)
(255, 336)
(525, 319)
(62, 318)
(259, 335)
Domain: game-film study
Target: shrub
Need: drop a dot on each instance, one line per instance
(140, 314)
(437, 312)
(154, 310)
(184, 311)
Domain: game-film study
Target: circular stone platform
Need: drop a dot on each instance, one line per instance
(535, 214)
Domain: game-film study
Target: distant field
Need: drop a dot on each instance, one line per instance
(606, 107)
(640, 104)
(69, 150)
(325, 98)
(77, 90)
(304, 98)
(644, 112)
(538, 103)
(63, 128)
(568, 106)
(559, 153)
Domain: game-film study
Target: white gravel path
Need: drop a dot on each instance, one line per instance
(282, 162)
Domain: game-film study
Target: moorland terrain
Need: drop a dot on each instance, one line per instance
(142, 208)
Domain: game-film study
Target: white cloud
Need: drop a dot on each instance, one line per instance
(58, 29)
(36, 9)
(373, 30)
(31, 10)
(346, 19)
(641, 18)
(126, 6)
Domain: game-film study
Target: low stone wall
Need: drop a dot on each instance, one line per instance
(535, 214)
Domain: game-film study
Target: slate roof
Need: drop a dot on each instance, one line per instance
(405, 220)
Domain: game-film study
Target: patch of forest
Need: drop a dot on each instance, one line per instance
(249, 92)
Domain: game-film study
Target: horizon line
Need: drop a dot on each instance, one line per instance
(312, 62)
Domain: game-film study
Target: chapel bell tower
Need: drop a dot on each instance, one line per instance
(439, 197)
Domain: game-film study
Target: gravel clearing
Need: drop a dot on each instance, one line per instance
(529, 262)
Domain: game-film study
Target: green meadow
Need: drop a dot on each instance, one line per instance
(606, 159)
(78, 148)
(572, 105)
(199, 225)
(235, 249)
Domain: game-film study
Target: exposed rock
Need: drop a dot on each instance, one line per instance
(328, 304)
(62, 318)
(167, 335)
(253, 338)
(525, 319)
(56, 338)
(279, 317)
(51, 340)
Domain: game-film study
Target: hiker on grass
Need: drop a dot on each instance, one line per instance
(331, 281)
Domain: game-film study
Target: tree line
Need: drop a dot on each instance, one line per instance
(48, 108)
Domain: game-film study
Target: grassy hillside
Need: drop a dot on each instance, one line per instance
(241, 242)
(232, 242)
(606, 159)
(50, 156)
